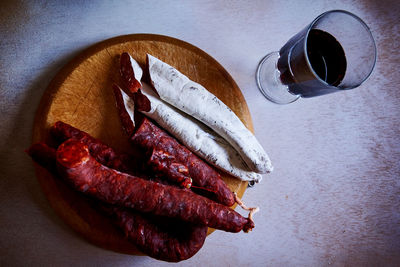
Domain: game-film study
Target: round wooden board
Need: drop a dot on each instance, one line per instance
(81, 95)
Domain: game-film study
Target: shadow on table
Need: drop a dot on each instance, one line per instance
(19, 180)
(18, 165)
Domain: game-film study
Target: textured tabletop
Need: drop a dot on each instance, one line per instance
(334, 196)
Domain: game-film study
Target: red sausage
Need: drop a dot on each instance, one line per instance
(85, 174)
(165, 164)
(131, 84)
(101, 152)
(127, 122)
(127, 74)
(149, 137)
(121, 162)
(171, 242)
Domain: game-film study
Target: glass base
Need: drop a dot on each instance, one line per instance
(269, 82)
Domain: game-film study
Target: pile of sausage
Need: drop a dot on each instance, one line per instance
(164, 200)
(142, 205)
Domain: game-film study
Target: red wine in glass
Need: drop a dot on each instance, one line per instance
(335, 52)
(328, 66)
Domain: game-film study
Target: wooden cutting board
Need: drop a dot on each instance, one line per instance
(81, 95)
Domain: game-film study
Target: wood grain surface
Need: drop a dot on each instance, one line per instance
(81, 95)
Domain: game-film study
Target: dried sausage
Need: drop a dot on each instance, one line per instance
(152, 235)
(148, 137)
(165, 164)
(134, 165)
(131, 73)
(169, 241)
(85, 174)
(101, 152)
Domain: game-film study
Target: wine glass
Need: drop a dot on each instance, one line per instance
(335, 52)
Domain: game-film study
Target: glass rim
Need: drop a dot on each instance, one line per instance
(311, 25)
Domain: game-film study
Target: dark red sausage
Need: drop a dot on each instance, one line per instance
(173, 241)
(85, 174)
(101, 152)
(127, 122)
(131, 84)
(165, 164)
(107, 156)
(160, 239)
(127, 74)
(149, 137)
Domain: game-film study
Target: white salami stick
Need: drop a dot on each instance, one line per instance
(194, 135)
(195, 100)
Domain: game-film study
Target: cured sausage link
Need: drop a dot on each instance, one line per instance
(147, 233)
(85, 174)
(104, 154)
(163, 243)
(148, 136)
(124, 162)
(101, 152)
(131, 73)
(165, 164)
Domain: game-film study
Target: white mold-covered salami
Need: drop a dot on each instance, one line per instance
(196, 101)
(196, 136)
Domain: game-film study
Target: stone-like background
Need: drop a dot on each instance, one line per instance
(334, 197)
